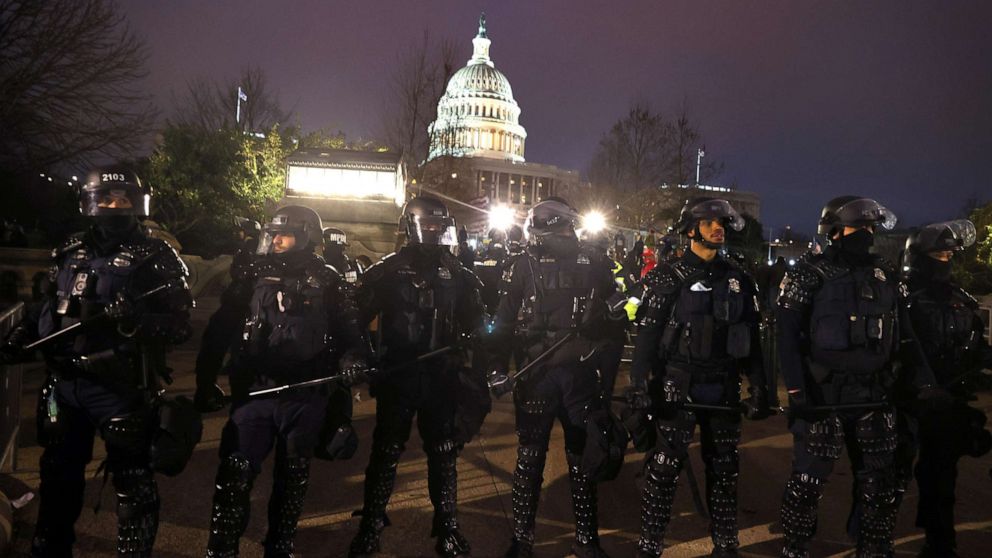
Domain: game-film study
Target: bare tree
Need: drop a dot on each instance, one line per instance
(633, 154)
(212, 105)
(422, 74)
(70, 73)
(684, 145)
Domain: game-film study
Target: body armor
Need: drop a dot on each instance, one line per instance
(853, 323)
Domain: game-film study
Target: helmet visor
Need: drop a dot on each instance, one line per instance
(336, 238)
(281, 225)
(433, 230)
(123, 200)
(951, 235)
(718, 209)
(864, 211)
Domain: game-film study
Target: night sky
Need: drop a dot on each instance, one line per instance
(801, 100)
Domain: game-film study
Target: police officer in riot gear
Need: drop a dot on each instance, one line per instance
(841, 325)
(489, 268)
(424, 300)
(946, 319)
(698, 335)
(559, 290)
(130, 293)
(335, 242)
(224, 327)
(302, 325)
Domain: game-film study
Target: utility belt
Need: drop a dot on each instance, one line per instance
(102, 365)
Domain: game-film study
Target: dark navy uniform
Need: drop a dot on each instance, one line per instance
(698, 335)
(302, 323)
(102, 379)
(549, 293)
(422, 299)
(841, 325)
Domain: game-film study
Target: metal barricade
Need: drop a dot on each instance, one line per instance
(11, 383)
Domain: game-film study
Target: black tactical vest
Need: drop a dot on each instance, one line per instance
(853, 324)
(288, 322)
(419, 306)
(706, 324)
(562, 288)
(944, 326)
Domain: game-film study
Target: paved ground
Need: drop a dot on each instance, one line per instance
(485, 473)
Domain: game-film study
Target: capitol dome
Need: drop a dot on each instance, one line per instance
(477, 116)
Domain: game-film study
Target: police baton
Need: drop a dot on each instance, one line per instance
(542, 356)
(336, 377)
(78, 325)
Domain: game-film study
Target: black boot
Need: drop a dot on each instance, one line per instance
(799, 505)
(442, 484)
(289, 488)
(231, 507)
(527, 479)
(656, 503)
(584, 506)
(379, 478)
(721, 496)
(137, 511)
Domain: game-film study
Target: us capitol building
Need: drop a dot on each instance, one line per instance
(479, 120)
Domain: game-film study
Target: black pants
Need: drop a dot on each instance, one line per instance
(290, 423)
(122, 418)
(944, 437)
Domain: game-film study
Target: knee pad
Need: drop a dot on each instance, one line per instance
(441, 448)
(663, 466)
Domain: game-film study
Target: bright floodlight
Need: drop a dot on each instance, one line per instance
(593, 222)
(501, 217)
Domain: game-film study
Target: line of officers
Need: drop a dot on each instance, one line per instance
(875, 361)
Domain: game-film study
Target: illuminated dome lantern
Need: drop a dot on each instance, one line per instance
(477, 116)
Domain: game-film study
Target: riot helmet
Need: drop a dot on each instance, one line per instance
(497, 236)
(113, 191)
(948, 236)
(302, 222)
(549, 217)
(952, 236)
(425, 220)
(853, 211)
(335, 236)
(699, 209)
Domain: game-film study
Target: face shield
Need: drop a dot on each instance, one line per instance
(947, 236)
(280, 226)
(718, 209)
(432, 230)
(121, 199)
(863, 212)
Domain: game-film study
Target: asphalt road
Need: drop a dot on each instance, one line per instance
(485, 473)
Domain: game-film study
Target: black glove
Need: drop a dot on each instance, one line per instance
(209, 398)
(356, 373)
(755, 407)
(12, 351)
(499, 383)
(935, 398)
(637, 397)
(121, 309)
